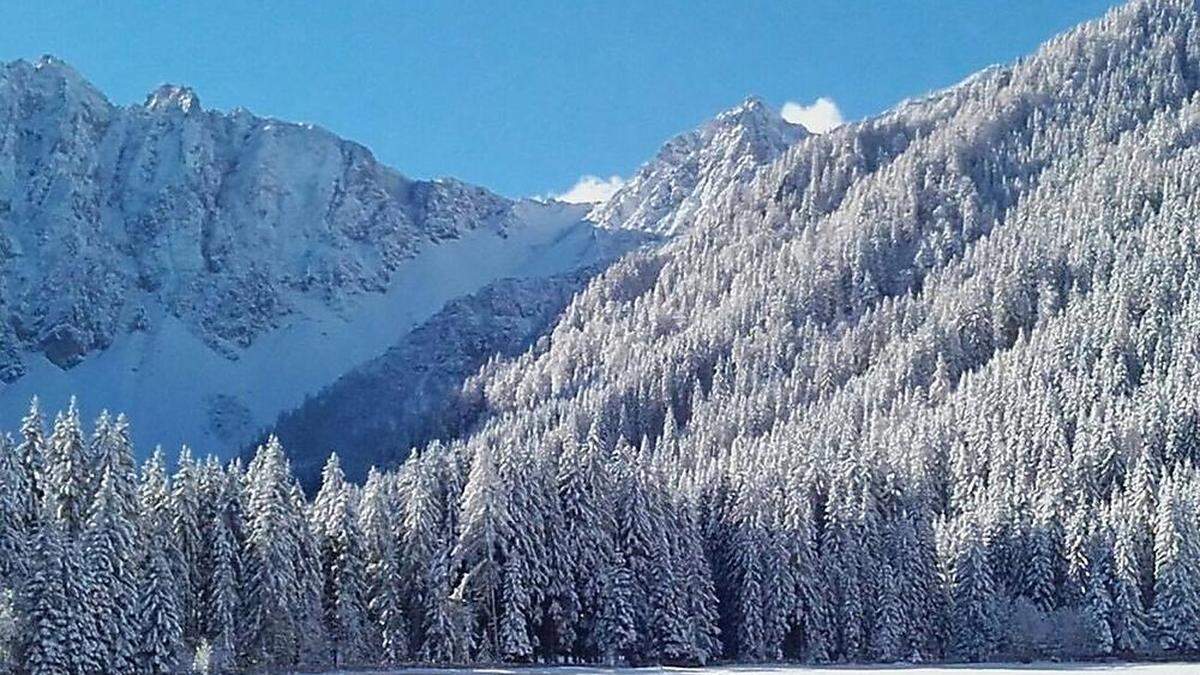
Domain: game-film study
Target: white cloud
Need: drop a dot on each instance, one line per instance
(818, 118)
(592, 190)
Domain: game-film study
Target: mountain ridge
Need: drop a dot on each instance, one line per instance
(134, 238)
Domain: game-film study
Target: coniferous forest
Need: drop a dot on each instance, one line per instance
(924, 388)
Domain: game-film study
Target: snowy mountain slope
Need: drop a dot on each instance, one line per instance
(165, 259)
(671, 191)
(147, 246)
(663, 199)
(919, 213)
(412, 393)
(183, 391)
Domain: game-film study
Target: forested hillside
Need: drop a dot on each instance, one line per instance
(921, 388)
(411, 394)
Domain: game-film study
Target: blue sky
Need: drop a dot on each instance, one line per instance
(526, 97)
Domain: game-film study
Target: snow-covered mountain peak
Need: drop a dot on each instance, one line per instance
(752, 107)
(667, 193)
(760, 128)
(50, 80)
(752, 113)
(48, 65)
(172, 97)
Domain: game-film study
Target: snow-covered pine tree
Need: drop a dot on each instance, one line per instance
(669, 633)
(386, 610)
(14, 538)
(421, 542)
(747, 545)
(1176, 608)
(1097, 597)
(1130, 621)
(95, 451)
(220, 596)
(587, 528)
(84, 629)
(842, 564)
(31, 452)
(616, 630)
(448, 620)
(479, 553)
(65, 479)
(160, 627)
(335, 523)
(309, 580)
(696, 582)
(154, 521)
(185, 514)
(560, 598)
(112, 556)
(270, 597)
(45, 650)
(974, 596)
(810, 613)
(888, 618)
(779, 587)
(524, 570)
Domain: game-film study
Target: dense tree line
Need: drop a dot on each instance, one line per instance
(922, 389)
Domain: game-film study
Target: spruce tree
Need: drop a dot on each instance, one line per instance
(111, 558)
(1175, 611)
(65, 479)
(888, 618)
(188, 565)
(1130, 621)
(13, 534)
(616, 630)
(273, 606)
(479, 552)
(31, 454)
(220, 596)
(974, 597)
(385, 608)
(160, 627)
(342, 565)
(45, 649)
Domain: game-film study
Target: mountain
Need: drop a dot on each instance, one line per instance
(692, 169)
(928, 244)
(168, 259)
(412, 394)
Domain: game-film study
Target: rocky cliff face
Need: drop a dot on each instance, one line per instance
(204, 270)
(223, 220)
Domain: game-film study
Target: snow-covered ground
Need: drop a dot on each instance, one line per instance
(1105, 668)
